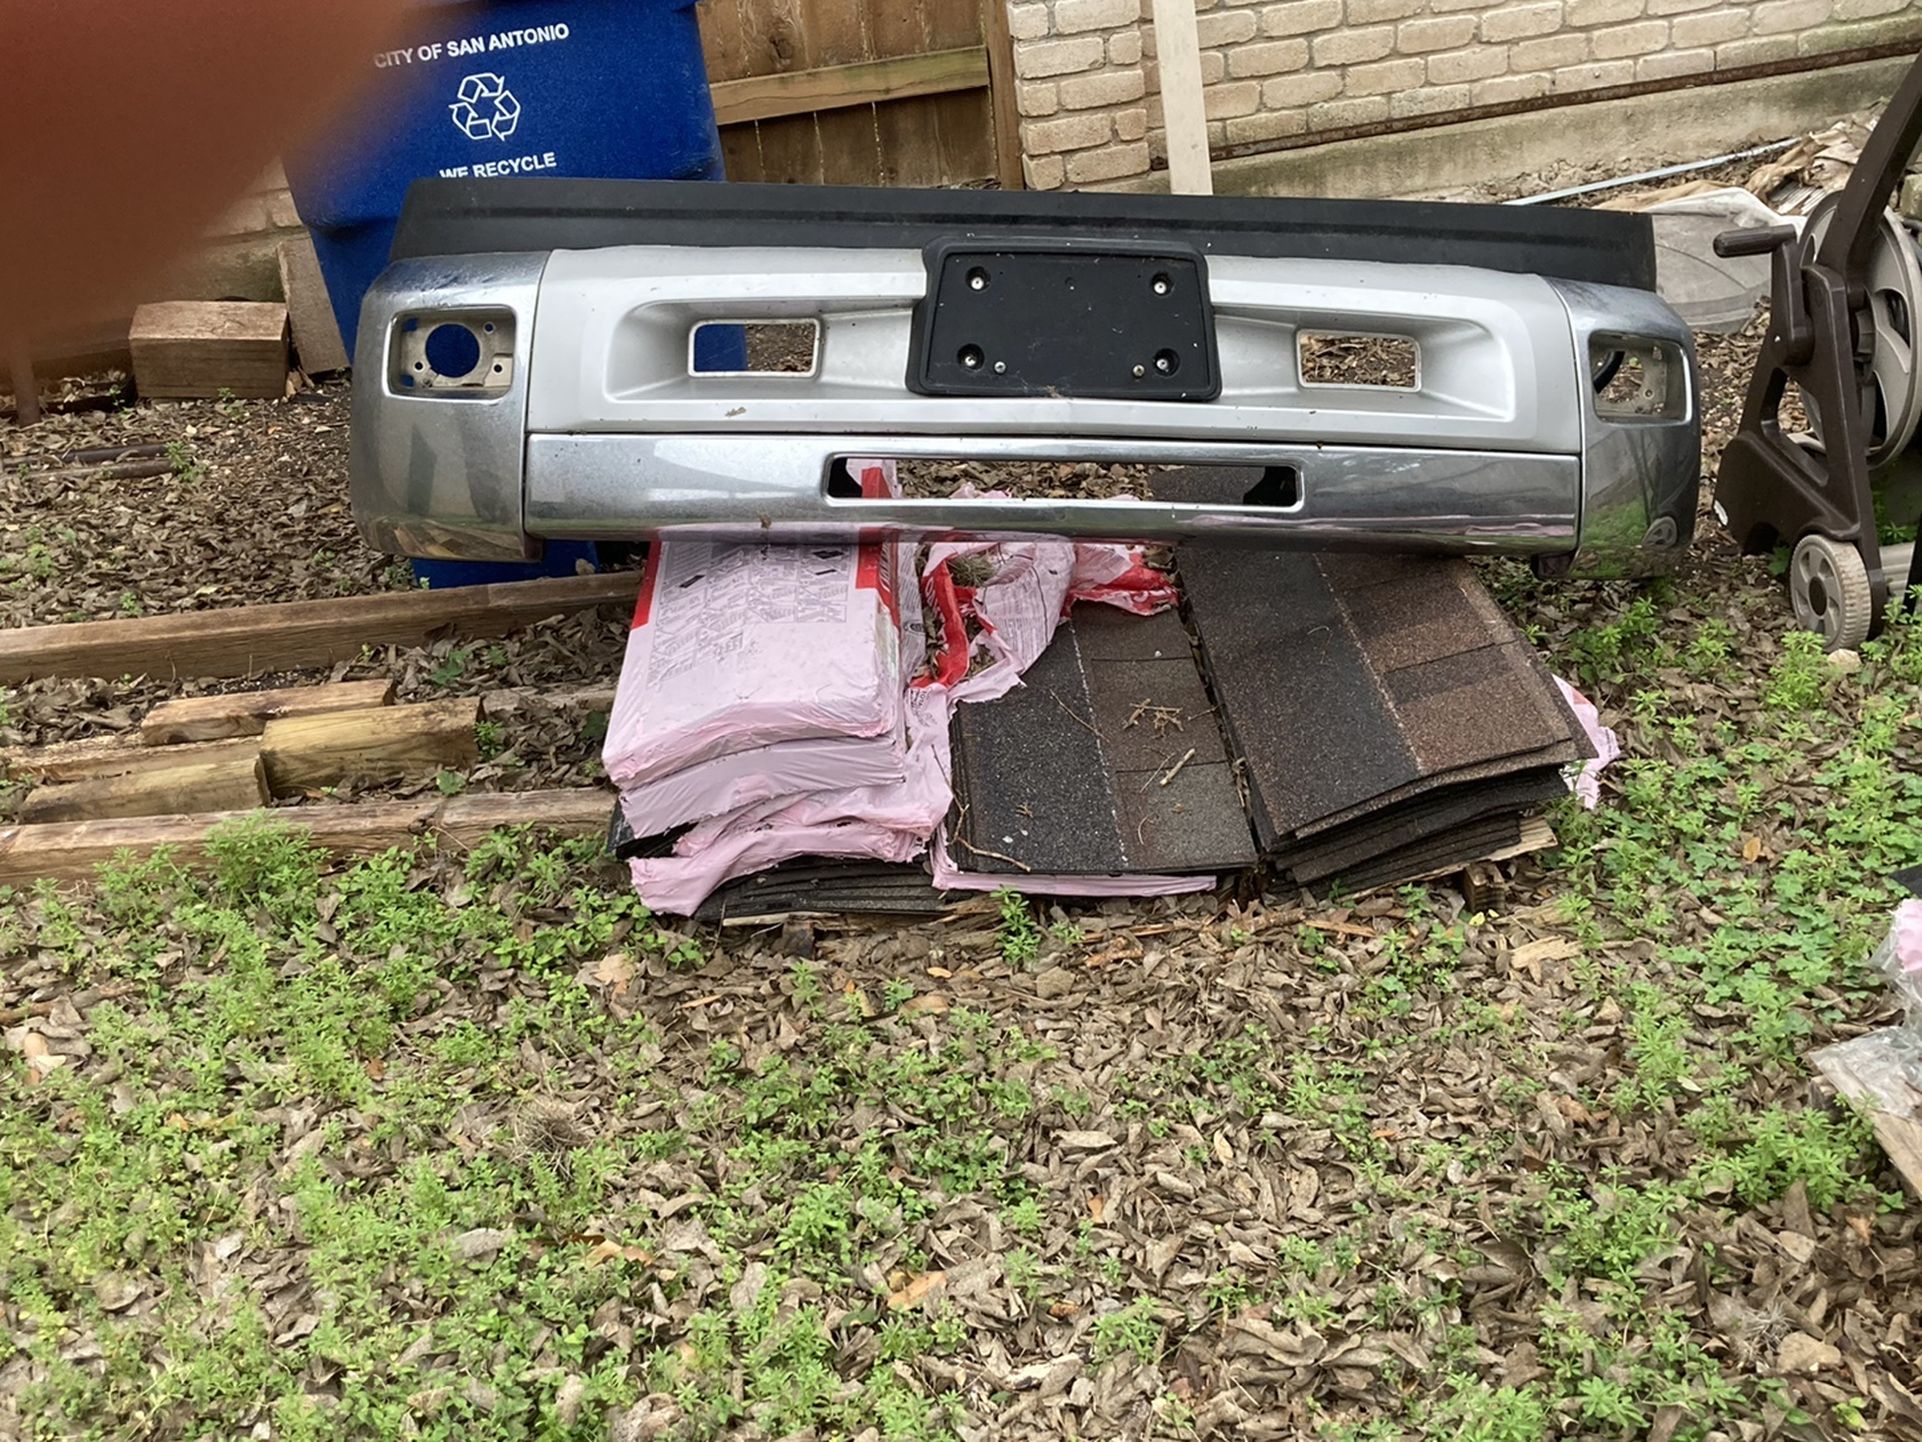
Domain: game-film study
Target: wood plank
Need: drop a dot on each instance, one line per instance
(231, 783)
(790, 147)
(199, 348)
(256, 640)
(837, 35)
(999, 43)
(113, 756)
(71, 851)
(246, 713)
(963, 122)
(864, 82)
(383, 743)
(1178, 64)
(309, 311)
(910, 143)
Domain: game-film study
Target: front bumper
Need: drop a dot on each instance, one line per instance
(586, 420)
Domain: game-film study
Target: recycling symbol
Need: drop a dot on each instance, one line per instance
(486, 108)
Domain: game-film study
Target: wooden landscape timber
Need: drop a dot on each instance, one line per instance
(123, 755)
(229, 783)
(383, 743)
(200, 349)
(289, 635)
(72, 851)
(246, 713)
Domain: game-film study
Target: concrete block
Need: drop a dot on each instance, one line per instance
(1104, 87)
(1269, 125)
(1779, 17)
(1519, 22)
(1889, 29)
(1508, 89)
(1069, 132)
(1301, 89)
(1037, 99)
(1548, 53)
(1382, 77)
(1354, 47)
(1584, 13)
(1226, 27)
(1028, 22)
(1071, 17)
(1373, 12)
(1340, 114)
(1298, 17)
(1429, 100)
(1223, 102)
(1592, 76)
(1457, 67)
(1437, 32)
(1110, 163)
(1058, 57)
(1271, 57)
(1712, 28)
(1670, 63)
(1043, 172)
(1644, 37)
(1756, 50)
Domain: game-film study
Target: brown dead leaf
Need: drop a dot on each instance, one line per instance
(375, 1068)
(606, 1251)
(933, 1004)
(939, 973)
(1062, 1309)
(916, 1289)
(1224, 1150)
(1097, 1208)
(615, 971)
(1751, 847)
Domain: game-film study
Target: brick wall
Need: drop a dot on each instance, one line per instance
(1275, 69)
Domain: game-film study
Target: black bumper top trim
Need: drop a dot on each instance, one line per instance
(478, 217)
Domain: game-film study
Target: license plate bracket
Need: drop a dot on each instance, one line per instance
(1108, 321)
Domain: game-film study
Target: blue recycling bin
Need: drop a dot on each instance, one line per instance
(613, 89)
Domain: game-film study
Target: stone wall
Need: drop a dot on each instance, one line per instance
(1279, 69)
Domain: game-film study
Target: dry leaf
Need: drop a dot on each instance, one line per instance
(1751, 847)
(939, 973)
(933, 1004)
(1224, 1153)
(1097, 1208)
(916, 1289)
(375, 1068)
(615, 971)
(606, 1251)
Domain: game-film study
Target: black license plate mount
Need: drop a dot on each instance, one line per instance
(1103, 321)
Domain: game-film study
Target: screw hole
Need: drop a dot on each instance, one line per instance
(1167, 362)
(970, 357)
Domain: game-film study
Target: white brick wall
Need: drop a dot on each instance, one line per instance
(1278, 70)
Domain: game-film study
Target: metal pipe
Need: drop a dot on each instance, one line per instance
(1685, 168)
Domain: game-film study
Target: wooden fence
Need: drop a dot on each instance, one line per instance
(863, 92)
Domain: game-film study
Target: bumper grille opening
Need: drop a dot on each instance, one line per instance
(1327, 358)
(756, 347)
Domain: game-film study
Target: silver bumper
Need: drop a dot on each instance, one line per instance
(590, 424)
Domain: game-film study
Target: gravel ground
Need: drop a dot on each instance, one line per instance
(445, 1146)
